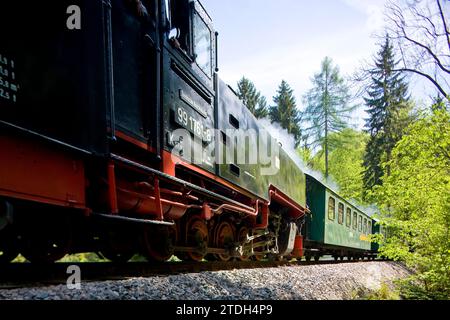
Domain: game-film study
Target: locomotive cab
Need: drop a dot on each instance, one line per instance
(189, 63)
(191, 32)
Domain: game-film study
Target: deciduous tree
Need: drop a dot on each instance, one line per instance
(346, 152)
(327, 106)
(421, 30)
(415, 202)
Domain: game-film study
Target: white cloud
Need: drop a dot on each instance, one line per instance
(374, 11)
(298, 63)
(348, 45)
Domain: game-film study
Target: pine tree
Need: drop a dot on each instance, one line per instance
(252, 99)
(388, 107)
(326, 106)
(261, 110)
(285, 111)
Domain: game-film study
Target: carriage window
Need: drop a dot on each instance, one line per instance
(202, 45)
(365, 226)
(331, 208)
(348, 218)
(360, 224)
(355, 220)
(341, 213)
(369, 227)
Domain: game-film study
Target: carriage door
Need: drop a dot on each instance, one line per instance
(135, 69)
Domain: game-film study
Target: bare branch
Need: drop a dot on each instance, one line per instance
(435, 57)
(420, 30)
(435, 83)
(447, 33)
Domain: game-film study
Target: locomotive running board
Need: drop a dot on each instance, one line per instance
(179, 182)
(132, 220)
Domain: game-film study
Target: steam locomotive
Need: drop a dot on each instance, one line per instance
(103, 106)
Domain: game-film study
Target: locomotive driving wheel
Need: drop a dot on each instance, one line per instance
(44, 248)
(117, 245)
(46, 236)
(158, 242)
(8, 247)
(224, 238)
(8, 239)
(7, 254)
(258, 256)
(197, 237)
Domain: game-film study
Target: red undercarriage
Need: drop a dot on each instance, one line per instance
(39, 173)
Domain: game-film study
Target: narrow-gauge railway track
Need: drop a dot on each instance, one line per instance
(22, 275)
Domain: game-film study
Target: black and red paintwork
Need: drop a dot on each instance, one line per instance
(86, 123)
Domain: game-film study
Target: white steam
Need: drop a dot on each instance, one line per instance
(288, 143)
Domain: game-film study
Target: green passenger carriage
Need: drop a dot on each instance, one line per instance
(335, 226)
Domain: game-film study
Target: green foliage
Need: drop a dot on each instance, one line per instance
(383, 293)
(388, 107)
(20, 259)
(82, 257)
(345, 157)
(285, 111)
(327, 105)
(415, 202)
(252, 99)
(306, 156)
(75, 258)
(261, 110)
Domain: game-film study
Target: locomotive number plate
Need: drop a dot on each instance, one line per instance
(187, 121)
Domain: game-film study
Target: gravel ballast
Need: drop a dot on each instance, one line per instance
(315, 282)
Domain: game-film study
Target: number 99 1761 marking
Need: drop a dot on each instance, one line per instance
(191, 124)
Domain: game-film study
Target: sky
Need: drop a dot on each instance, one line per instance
(272, 40)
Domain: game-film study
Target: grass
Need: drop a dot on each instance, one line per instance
(384, 293)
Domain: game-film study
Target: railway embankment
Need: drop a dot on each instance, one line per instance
(312, 282)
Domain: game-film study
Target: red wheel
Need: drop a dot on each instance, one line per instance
(258, 256)
(224, 238)
(158, 243)
(47, 245)
(117, 245)
(42, 250)
(8, 252)
(8, 248)
(7, 255)
(197, 237)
